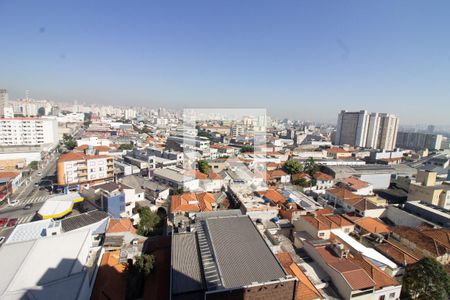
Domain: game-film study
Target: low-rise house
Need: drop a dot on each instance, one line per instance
(357, 186)
(176, 179)
(321, 225)
(370, 225)
(386, 287)
(323, 182)
(211, 182)
(278, 176)
(251, 204)
(119, 199)
(352, 203)
(305, 288)
(189, 204)
(338, 153)
(430, 242)
(350, 279)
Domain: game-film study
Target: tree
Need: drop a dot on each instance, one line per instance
(426, 279)
(247, 148)
(70, 144)
(311, 167)
(148, 222)
(41, 111)
(69, 141)
(293, 166)
(144, 264)
(87, 119)
(203, 166)
(126, 147)
(34, 164)
(301, 182)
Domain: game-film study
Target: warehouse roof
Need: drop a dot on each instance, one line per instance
(242, 255)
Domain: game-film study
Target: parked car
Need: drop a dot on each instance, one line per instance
(39, 173)
(3, 221)
(28, 206)
(12, 222)
(13, 202)
(2, 239)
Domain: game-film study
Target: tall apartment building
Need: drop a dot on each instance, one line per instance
(78, 169)
(28, 131)
(419, 140)
(3, 101)
(369, 130)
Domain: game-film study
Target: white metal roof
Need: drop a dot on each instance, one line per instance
(365, 251)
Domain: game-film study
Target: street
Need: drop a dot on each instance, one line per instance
(28, 193)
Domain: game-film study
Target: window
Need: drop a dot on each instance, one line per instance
(382, 297)
(321, 234)
(391, 295)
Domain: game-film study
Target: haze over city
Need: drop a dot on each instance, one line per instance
(299, 59)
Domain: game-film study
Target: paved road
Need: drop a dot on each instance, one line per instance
(28, 194)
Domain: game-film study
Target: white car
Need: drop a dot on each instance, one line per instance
(39, 173)
(13, 202)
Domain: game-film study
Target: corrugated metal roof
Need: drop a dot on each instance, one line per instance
(242, 255)
(186, 272)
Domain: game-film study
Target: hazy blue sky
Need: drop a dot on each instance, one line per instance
(300, 59)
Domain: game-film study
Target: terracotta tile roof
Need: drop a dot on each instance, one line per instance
(427, 241)
(372, 225)
(324, 211)
(111, 279)
(344, 194)
(120, 225)
(380, 278)
(399, 255)
(8, 175)
(275, 196)
(305, 289)
(322, 176)
(79, 156)
(300, 175)
(354, 183)
(98, 148)
(202, 176)
(363, 204)
(338, 220)
(355, 276)
(275, 174)
(317, 222)
(192, 202)
(337, 150)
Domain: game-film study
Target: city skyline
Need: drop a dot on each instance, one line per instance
(310, 59)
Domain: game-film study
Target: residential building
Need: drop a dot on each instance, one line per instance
(320, 225)
(3, 101)
(119, 200)
(78, 170)
(426, 189)
(176, 179)
(248, 268)
(351, 280)
(28, 131)
(419, 140)
(357, 186)
(349, 202)
(305, 288)
(429, 242)
(375, 130)
(255, 206)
